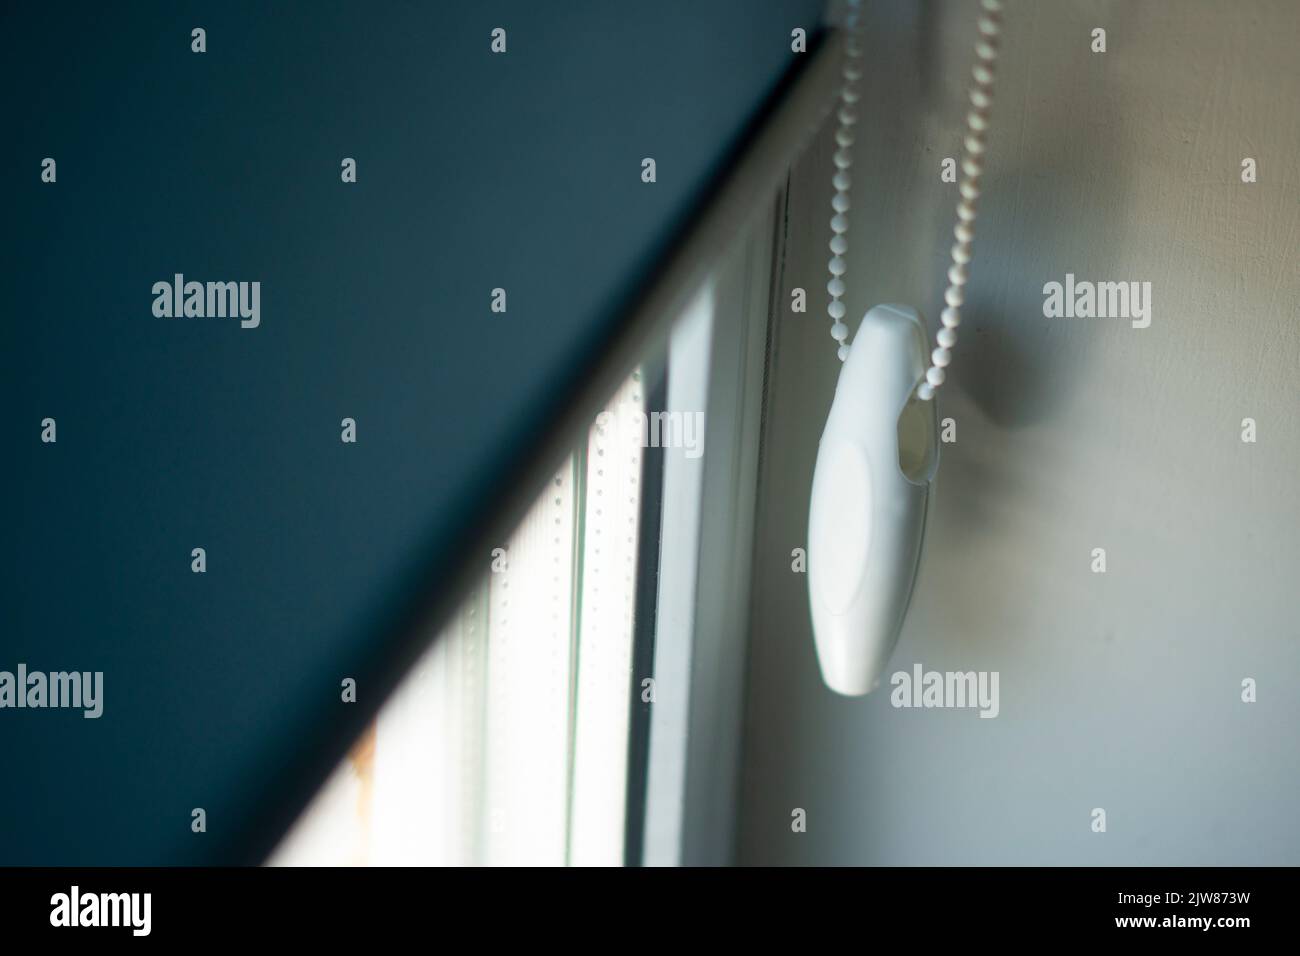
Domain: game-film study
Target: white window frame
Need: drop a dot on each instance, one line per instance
(716, 361)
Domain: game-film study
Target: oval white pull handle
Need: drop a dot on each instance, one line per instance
(870, 494)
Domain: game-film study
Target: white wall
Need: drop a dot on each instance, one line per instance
(1119, 690)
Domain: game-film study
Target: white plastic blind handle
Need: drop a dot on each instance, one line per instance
(871, 491)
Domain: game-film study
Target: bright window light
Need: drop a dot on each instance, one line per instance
(608, 598)
(507, 744)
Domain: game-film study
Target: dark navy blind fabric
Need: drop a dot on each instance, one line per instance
(475, 171)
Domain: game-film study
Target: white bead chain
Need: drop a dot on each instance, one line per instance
(842, 181)
(972, 168)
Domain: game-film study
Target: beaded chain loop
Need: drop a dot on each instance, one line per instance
(842, 179)
(972, 167)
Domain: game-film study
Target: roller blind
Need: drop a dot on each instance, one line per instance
(340, 407)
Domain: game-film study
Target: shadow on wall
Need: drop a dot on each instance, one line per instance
(1051, 201)
(1057, 199)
